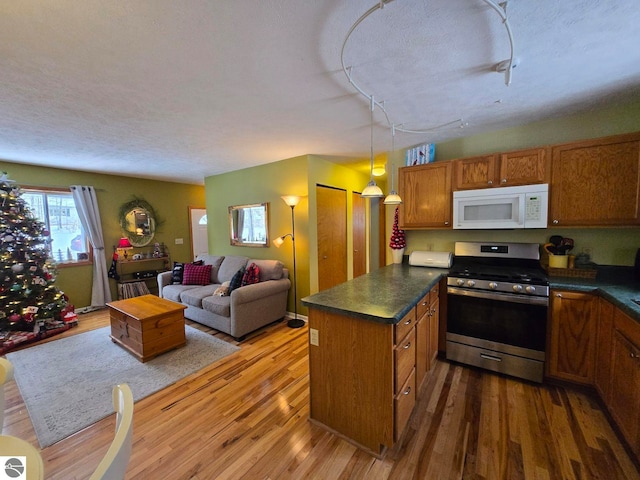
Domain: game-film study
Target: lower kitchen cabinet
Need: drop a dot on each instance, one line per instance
(624, 399)
(365, 376)
(602, 380)
(572, 337)
(427, 312)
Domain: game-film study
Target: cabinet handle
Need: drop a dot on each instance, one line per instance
(408, 322)
(490, 182)
(504, 180)
(433, 311)
(407, 391)
(407, 345)
(424, 304)
(558, 295)
(446, 223)
(633, 355)
(555, 222)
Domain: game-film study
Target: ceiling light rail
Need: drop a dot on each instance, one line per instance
(507, 65)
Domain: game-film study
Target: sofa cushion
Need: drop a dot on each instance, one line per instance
(196, 274)
(214, 261)
(194, 296)
(236, 280)
(218, 305)
(230, 265)
(173, 292)
(269, 269)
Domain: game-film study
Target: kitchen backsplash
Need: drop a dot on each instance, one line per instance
(606, 246)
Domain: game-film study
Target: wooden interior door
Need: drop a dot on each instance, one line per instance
(359, 235)
(332, 236)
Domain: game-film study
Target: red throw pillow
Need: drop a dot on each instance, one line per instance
(196, 274)
(251, 275)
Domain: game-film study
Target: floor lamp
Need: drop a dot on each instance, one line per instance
(292, 201)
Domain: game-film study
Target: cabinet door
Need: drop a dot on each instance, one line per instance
(603, 352)
(426, 194)
(422, 349)
(434, 320)
(524, 167)
(573, 335)
(596, 182)
(624, 401)
(475, 172)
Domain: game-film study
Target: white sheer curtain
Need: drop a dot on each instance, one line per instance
(87, 206)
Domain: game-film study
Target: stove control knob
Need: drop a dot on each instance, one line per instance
(471, 283)
(530, 289)
(460, 282)
(493, 285)
(517, 288)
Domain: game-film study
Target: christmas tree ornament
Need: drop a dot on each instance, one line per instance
(17, 268)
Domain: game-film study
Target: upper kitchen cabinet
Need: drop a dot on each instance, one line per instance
(596, 182)
(426, 195)
(523, 167)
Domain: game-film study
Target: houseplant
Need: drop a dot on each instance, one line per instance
(398, 241)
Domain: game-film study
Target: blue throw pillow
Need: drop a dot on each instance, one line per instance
(236, 280)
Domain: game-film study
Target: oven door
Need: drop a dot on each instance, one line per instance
(497, 331)
(514, 320)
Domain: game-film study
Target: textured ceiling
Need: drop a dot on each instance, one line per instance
(183, 90)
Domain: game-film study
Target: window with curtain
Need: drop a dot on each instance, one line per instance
(56, 209)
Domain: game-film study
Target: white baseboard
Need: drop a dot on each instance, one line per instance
(291, 315)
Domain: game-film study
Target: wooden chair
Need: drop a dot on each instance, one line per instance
(114, 464)
(6, 374)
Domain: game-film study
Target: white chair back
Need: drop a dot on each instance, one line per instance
(6, 374)
(114, 464)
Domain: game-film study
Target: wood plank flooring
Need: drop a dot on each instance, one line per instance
(246, 417)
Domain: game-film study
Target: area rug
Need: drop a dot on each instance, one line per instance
(66, 384)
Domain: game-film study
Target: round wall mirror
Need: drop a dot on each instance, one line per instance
(138, 222)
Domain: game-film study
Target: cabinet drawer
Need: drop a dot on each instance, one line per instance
(405, 359)
(423, 305)
(434, 294)
(404, 402)
(404, 326)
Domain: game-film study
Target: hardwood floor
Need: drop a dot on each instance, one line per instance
(246, 417)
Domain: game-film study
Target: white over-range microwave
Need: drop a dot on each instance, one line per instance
(504, 207)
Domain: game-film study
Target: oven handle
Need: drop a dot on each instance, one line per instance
(502, 297)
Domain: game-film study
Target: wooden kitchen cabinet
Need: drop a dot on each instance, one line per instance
(475, 172)
(572, 337)
(362, 377)
(596, 182)
(428, 314)
(426, 195)
(522, 167)
(602, 380)
(624, 401)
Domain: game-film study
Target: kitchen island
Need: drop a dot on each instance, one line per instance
(371, 342)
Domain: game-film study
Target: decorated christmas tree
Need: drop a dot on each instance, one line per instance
(397, 240)
(28, 296)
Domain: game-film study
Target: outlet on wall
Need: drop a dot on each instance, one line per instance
(313, 337)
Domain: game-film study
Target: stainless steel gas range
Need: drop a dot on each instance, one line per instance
(498, 297)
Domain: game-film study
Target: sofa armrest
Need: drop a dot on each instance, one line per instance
(164, 279)
(250, 293)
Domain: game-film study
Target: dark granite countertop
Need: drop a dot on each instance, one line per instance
(385, 295)
(615, 284)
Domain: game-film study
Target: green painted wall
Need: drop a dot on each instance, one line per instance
(608, 246)
(267, 183)
(169, 200)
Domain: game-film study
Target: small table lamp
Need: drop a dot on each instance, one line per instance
(124, 244)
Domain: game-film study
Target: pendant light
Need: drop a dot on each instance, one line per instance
(372, 190)
(393, 198)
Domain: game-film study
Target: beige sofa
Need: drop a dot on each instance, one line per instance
(246, 309)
